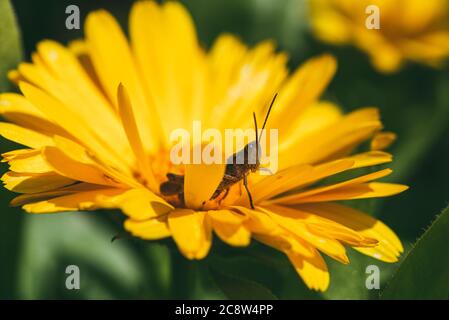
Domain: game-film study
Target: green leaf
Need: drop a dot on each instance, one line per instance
(424, 274)
(348, 282)
(10, 48)
(418, 140)
(265, 266)
(239, 288)
(107, 269)
(11, 219)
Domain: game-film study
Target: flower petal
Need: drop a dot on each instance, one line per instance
(138, 204)
(191, 231)
(382, 140)
(324, 227)
(152, 229)
(308, 195)
(73, 202)
(62, 191)
(78, 153)
(352, 192)
(321, 146)
(389, 246)
(31, 162)
(24, 136)
(129, 123)
(303, 175)
(230, 228)
(313, 270)
(75, 170)
(286, 218)
(31, 183)
(315, 117)
(18, 110)
(108, 45)
(61, 75)
(306, 260)
(72, 123)
(301, 90)
(172, 63)
(201, 181)
(258, 222)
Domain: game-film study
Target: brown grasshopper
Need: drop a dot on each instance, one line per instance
(234, 171)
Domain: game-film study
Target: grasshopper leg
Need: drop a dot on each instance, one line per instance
(245, 183)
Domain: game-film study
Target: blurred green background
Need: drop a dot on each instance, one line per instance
(414, 103)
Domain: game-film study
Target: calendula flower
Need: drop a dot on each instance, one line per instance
(409, 30)
(95, 119)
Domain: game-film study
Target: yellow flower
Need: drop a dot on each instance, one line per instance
(95, 120)
(413, 30)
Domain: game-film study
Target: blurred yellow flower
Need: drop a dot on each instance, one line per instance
(413, 30)
(95, 120)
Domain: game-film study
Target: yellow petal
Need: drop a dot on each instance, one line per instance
(30, 183)
(324, 227)
(78, 153)
(63, 77)
(32, 162)
(62, 191)
(201, 181)
(224, 60)
(309, 194)
(286, 242)
(14, 76)
(301, 176)
(382, 140)
(129, 123)
(191, 232)
(258, 222)
(352, 192)
(171, 60)
(389, 246)
(72, 123)
(18, 110)
(320, 146)
(302, 89)
(279, 182)
(138, 204)
(18, 154)
(24, 136)
(73, 202)
(80, 49)
(312, 270)
(329, 26)
(15, 103)
(233, 235)
(227, 216)
(75, 170)
(108, 46)
(315, 117)
(229, 227)
(254, 79)
(297, 176)
(152, 229)
(370, 158)
(286, 218)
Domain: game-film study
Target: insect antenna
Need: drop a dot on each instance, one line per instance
(257, 138)
(268, 114)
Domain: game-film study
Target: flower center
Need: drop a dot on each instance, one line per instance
(165, 171)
